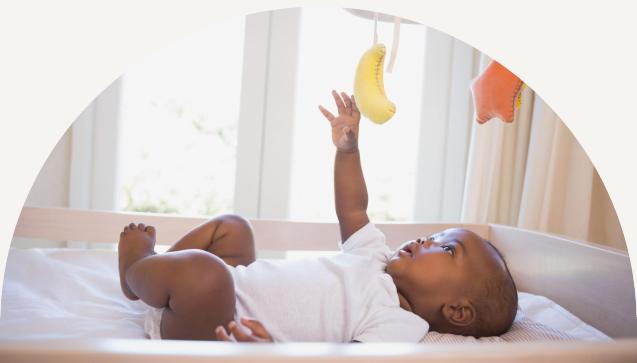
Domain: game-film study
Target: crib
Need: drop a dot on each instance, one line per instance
(592, 282)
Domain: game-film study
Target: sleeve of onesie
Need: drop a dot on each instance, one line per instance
(393, 325)
(368, 241)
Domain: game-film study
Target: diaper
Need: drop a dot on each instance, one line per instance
(152, 322)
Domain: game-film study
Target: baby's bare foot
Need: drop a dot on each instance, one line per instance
(135, 243)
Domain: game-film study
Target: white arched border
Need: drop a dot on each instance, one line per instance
(57, 56)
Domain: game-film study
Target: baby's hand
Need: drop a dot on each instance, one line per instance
(345, 126)
(259, 334)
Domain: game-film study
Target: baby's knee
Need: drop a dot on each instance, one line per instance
(201, 298)
(234, 221)
(205, 276)
(236, 228)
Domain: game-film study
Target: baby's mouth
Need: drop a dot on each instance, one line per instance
(410, 248)
(406, 250)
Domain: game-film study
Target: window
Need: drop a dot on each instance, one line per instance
(328, 56)
(227, 121)
(178, 126)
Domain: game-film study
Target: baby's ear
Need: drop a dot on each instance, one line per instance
(460, 313)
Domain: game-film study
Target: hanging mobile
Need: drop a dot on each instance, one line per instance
(369, 87)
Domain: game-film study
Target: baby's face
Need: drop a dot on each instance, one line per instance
(431, 271)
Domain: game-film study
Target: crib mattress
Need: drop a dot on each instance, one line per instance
(75, 293)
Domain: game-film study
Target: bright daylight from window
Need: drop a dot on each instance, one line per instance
(179, 114)
(328, 56)
(179, 125)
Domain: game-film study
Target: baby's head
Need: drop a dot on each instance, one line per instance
(457, 281)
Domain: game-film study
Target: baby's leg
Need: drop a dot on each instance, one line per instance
(228, 236)
(194, 286)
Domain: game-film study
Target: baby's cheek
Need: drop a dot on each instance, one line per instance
(394, 267)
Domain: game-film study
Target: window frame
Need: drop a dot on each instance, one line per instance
(266, 116)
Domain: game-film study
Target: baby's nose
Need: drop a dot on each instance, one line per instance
(423, 241)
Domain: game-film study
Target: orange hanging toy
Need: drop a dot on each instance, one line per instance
(496, 93)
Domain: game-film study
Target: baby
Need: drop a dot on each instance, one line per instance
(451, 282)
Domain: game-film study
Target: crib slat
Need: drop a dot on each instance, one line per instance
(95, 226)
(105, 226)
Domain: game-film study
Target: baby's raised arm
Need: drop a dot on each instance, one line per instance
(350, 190)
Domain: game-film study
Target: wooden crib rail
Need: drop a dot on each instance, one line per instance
(593, 282)
(145, 351)
(66, 224)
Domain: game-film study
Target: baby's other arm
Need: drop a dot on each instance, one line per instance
(350, 191)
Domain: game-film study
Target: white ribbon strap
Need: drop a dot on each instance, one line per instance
(375, 28)
(394, 45)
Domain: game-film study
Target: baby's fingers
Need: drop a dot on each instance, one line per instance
(239, 334)
(221, 334)
(328, 115)
(339, 102)
(348, 103)
(256, 327)
(354, 106)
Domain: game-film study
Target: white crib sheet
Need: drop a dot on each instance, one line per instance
(66, 293)
(75, 293)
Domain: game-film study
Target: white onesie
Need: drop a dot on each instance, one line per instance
(327, 299)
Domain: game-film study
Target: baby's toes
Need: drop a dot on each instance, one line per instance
(132, 226)
(141, 227)
(151, 231)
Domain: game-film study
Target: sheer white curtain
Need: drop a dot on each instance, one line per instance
(445, 127)
(534, 174)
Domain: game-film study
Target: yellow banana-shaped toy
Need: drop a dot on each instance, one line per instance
(369, 88)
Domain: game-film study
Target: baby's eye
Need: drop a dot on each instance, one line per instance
(449, 250)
